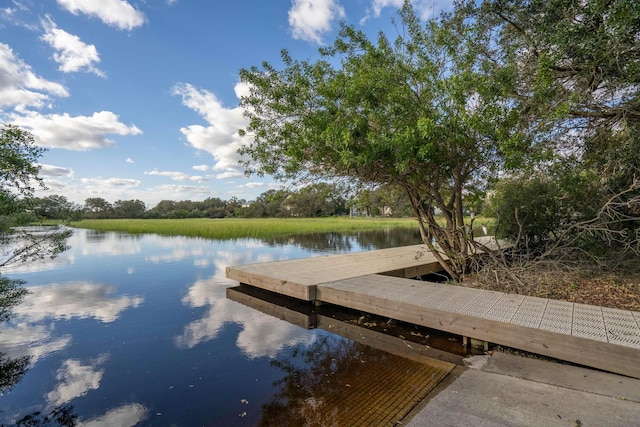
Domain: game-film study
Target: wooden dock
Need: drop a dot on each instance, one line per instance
(298, 278)
(377, 282)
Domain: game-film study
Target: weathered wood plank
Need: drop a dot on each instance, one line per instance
(303, 320)
(297, 278)
(613, 357)
(602, 338)
(297, 290)
(306, 318)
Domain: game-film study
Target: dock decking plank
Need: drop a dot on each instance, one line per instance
(298, 277)
(599, 337)
(586, 343)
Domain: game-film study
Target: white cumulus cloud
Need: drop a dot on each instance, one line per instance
(229, 174)
(310, 19)
(51, 170)
(220, 138)
(78, 133)
(178, 176)
(72, 54)
(116, 13)
(256, 184)
(183, 191)
(110, 182)
(20, 87)
(21, 90)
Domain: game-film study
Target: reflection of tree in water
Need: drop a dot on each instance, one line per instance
(378, 239)
(307, 386)
(390, 238)
(95, 236)
(334, 382)
(60, 416)
(12, 371)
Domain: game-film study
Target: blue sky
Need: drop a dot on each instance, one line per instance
(138, 99)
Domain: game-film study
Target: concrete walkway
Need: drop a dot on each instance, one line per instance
(508, 390)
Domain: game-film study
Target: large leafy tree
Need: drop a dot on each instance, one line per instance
(18, 179)
(320, 199)
(129, 208)
(578, 67)
(18, 161)
(424, 113)
(54, 207)
(577, 64)
(97, 207)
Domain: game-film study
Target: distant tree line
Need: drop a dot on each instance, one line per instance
(316, 200)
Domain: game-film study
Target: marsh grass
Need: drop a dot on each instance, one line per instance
(232, 228)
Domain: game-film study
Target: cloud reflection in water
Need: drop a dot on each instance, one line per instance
(35, 341)
(262, 335)
(75, 299)
(24, 337)
(122, 416)
(76, 380)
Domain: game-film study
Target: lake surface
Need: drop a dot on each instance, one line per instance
(136, 330)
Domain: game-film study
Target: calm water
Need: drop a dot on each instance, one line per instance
(136, 330)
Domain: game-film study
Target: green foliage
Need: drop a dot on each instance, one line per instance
(577, 89)
(425, 113)
(270, 204)
(578, 68)
(18, 161)
(18, 170)
(381, 201)
(526, 210)
(534, 210)
(97, 207)
(129, 209)
(53, 207)
(316, 200)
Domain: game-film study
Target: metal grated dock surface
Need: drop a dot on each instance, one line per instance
(376, 389)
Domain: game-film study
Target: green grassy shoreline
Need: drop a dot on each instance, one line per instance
(236, 228)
